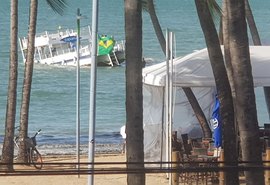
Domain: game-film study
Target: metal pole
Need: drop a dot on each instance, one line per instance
(78, 133)
(167, 98)
(170, 98)
(92, 109)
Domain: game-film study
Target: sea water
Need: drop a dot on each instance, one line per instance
(53, 96)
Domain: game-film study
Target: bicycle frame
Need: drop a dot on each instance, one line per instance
(32, 153)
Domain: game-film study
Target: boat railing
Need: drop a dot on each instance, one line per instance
(66, 56)
(47, 37)
(23, 43)
(119, 46)
(43, 34)
(64, 51)
(84, 31)
(85, 51)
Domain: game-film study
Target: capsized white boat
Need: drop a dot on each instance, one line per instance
(59, 48)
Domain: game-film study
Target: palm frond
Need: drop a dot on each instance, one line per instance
(57, 6)
(215, 10)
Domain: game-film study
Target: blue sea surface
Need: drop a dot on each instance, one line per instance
(53, 96)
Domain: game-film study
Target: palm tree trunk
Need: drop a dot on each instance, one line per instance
(229, 68)
(267, 98)
(227, 55)
(223, 88)
(134, 105)
(198, 112)
(157, 27)
(252, 25)
(245, 104)
(8, 145)
(257, 42)
(188, 92)
(28, 73)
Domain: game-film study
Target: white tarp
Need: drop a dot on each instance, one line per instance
(193, 70)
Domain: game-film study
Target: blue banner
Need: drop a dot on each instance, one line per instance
(216, 125)
(69, 39)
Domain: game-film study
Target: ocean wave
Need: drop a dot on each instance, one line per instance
(105, 142)
(67, 149)
(72, 149)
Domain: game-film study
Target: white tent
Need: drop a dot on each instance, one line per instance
(193, 70)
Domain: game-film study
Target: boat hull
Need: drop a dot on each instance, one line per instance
(102, 60)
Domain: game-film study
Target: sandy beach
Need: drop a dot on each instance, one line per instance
(99, 179)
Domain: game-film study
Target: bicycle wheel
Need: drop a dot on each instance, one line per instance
(36, 158)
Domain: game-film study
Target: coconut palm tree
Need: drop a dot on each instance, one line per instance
(57, 6)
(134, 103)
(245, 104)
(8, 145)
(148, 5)
(223, 88)
(229, 66)
(257, 41)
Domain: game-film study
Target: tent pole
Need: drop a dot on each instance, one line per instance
(170, 98)
(166, 99)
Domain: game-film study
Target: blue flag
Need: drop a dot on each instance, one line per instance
(216, 125)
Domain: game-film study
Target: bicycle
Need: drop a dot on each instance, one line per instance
(32, 153)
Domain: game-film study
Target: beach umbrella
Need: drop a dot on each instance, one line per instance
(216, 124)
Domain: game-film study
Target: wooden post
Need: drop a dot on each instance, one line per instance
(175, 165)
(221, 173)
(267, 172)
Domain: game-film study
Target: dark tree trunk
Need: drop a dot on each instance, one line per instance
(223, 88)
(157, 27)
(198, 112)
(8, 145)
(27, 82)
(257, 42)
(134, 103)
(245, 104)
(188, 92)
(227, 55)
(267, 99)
(252, 25)
(229, 68)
